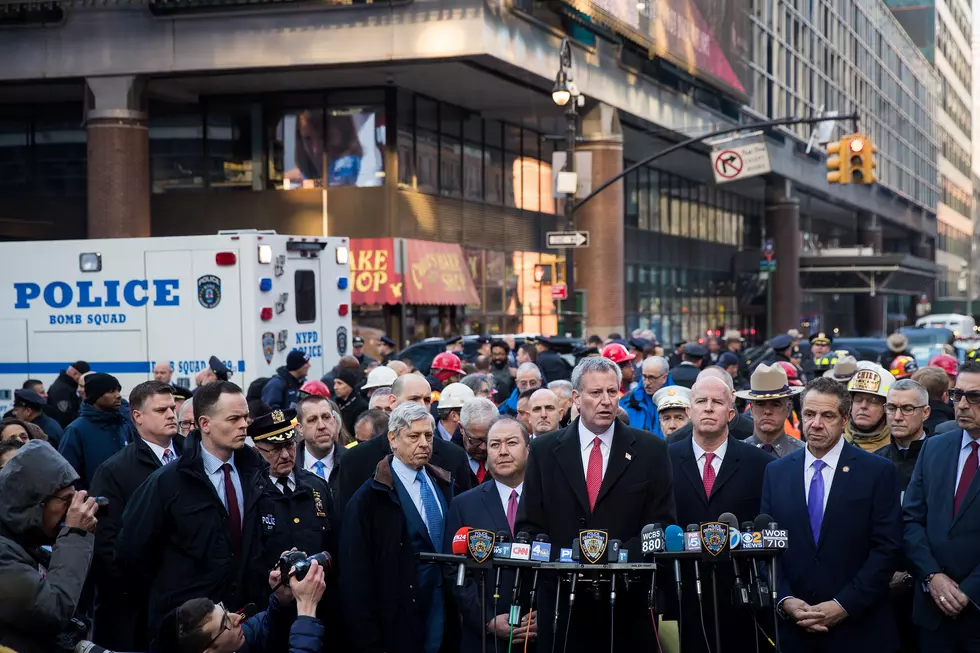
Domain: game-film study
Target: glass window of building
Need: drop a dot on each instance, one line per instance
(406, 140)
(230, 147)
(296, 152)
(493, 161)
(14, 140)
(176, 134)
(427, 160)
(355, 144)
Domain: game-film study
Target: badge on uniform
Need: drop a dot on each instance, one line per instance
(268, 521)
(209, 290)
(592, 544)
(318, 504)
(714, 537)
(268, 345)
(479, 543)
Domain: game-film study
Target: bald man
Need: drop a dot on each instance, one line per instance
(162, 372)
(545, 412)
(398, 367)
(740, 426)
(714, 474)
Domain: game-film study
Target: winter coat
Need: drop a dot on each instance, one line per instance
(503, 383)
(51, 428)
(642, 411)
(263, 631)
(175, 538)
(39, 591)
(553, 367)
(63, 399)
(92, 439)
(282, 390)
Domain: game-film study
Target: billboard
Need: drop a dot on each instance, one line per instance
(708, 39)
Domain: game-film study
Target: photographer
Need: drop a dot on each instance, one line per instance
(201, 626)
(40, 590)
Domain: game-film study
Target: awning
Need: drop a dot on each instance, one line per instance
(885, 274)
(398, 270)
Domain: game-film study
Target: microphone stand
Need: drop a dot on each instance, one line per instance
(775, 595)
(571, 604)
(554, 626)
(483, 610)
(612, 612)
(714, 605)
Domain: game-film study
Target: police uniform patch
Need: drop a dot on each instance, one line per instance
(714, 537)
(318, 504)
(592, 544)
(209, 290)
(268, 346)
(268, 521)
(479, 543)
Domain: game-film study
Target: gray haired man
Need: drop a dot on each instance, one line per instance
(475, 419)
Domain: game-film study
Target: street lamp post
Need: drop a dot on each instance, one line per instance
(565, 94)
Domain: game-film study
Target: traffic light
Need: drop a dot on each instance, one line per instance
(862, 164)
(851, 160)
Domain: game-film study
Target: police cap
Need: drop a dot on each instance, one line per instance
(275, 428)
(28, 399)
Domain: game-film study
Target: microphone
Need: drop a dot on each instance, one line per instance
(652, 539)
(501, 551)
(459, 549)
(740, 594)
(613, 549)
(772, 538)
(576, 550)
(760, 525)
(541, 551)
(674, 538)
(692, 543)
(521, 548)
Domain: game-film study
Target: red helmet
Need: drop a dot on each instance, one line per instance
(903, 367)
(792, 374)
(314, 387)
(946, 363)
(447, 362)
(617, 353)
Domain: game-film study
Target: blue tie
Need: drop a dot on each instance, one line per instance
(318, 468)
(433, 516)
(815, 499)
(168, 456)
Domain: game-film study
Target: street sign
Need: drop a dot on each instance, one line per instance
(769, 249)
(767, 265)
(561, 239)
(740, 162)
(559, 292)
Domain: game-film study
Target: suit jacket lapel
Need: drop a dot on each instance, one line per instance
(971, 492)
(838, 489)
(620, 455)
(690, 467)
(491, 501)
(729, 465)
(797, 493)
(569, 457)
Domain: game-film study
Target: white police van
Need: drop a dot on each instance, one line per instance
(247, 297)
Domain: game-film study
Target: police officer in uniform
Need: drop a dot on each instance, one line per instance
(294, 507)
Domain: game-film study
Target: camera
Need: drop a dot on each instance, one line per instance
(297, 564)
(101, 502)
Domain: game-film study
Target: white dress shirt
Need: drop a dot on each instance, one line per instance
(309, 462)
(446, 435)
(158, 451)
(290, 481)
(212, 468)
(831, 458)
(701, 457)
(407, 476)
(505, 491)
(586, 437)
(964, 452)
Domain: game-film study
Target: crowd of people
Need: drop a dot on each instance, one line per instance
(165, 520)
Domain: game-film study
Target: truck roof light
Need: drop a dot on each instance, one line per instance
(225, 258)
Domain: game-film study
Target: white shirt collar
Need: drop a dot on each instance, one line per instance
(922, 436)
(326, 460)
(405, 473)
(158, 451)
(585, 436)
(965, 442)
(291, 482)
(831, 458)
(719, 452)
(505, 491)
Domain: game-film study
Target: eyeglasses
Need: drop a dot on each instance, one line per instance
(224, 623)
(473, 442)
(654, 377)
(906, 409)
(55, 497)
(972, 396)
(186, 425)
(286, 446)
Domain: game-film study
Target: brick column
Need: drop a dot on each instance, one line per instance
(599, 268)
(118, 158)
(783, 226)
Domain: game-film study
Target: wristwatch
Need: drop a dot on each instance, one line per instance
(927, 580)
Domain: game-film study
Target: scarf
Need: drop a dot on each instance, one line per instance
(871, 441)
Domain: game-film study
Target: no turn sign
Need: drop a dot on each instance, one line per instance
(740, 162)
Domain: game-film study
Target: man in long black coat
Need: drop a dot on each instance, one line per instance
(715, 474)
(120, 612)
(596, 473)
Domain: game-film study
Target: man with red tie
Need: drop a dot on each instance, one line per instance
(476, 417)
(942, 527)
(597, 473)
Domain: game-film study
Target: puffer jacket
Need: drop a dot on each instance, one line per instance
(92, 439)
(39, 591)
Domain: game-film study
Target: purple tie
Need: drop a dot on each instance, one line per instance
(512, 511)
(815, 499)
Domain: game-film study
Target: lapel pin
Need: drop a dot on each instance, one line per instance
(629, 457)
(845, 469)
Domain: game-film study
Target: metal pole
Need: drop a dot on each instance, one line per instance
(571, 317)
(769, 305)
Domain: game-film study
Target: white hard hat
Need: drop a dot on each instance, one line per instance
(872, 379)
(380, 377)
(455, 395)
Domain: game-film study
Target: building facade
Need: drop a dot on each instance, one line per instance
(431, 121)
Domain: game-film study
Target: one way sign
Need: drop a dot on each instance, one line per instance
(562, 239)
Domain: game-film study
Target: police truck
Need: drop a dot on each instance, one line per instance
(245, 297)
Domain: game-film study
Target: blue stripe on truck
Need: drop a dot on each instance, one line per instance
(107, 367)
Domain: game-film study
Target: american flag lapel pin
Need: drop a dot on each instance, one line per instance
(629, 457)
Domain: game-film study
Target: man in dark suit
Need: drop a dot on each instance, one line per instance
(740, 427)
(840, 506)
(493, 506)
(687, 372)
(318, 450)
(597, 473)
(360, 462)
(714, 474)
(942, 527)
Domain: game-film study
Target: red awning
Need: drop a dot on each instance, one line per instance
(424, 272)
